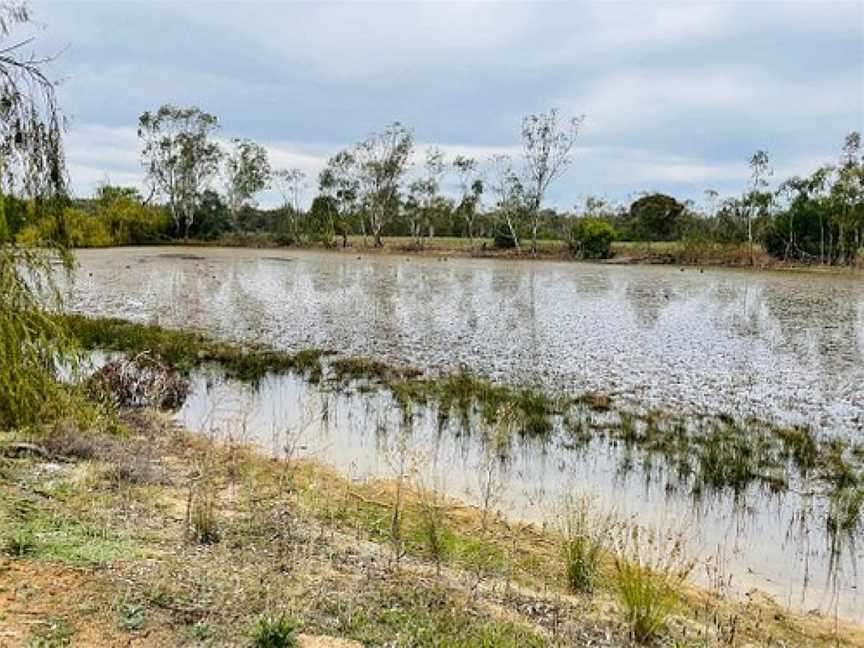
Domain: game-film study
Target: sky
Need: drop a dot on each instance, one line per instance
(676, 95)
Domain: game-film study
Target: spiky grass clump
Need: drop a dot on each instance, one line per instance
(274, 632)
(651, 568)
(586, 535)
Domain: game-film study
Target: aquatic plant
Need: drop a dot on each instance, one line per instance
(184, 350)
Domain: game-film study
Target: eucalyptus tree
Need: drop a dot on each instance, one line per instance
(247, 172)
(291, 183)
(847, 197)
(547, 146)
(180, 157)
(424, 196)
(338, 184)
(33, 345)
(470, 181)
(757, 197)
(512, 202)
(380, 162)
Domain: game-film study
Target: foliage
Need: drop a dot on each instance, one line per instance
(656, 217)
(591, 238)
(212, 218)
(247, 171)
(651, 568)
(586, 538)
(274, 632)
(379, 162)
(179, 157)
(547, 144)
(33, 346)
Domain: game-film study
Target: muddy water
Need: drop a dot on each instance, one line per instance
(780, 346)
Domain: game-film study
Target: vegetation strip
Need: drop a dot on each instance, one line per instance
(166, 559)
(701, 454)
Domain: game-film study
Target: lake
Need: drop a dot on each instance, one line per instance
(787, 347)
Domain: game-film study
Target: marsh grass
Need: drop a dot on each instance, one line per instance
(184, 350)
(651, 570)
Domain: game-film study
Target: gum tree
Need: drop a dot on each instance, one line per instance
(247, 172)
(290, 183)
(179, 157)
(547, 146)
(380, 162)
(470, 192)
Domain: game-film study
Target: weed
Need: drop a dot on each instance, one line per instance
(202, 516)
(20, 542)
(131, 617)
(274, 632)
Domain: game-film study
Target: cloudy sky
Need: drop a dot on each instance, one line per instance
(677, 95)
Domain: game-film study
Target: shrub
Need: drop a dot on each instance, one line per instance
(274, 632)
(591, 238)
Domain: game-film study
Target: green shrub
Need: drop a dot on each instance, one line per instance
(274, 632)
(591, 238)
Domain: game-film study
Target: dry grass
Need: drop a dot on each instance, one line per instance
(317, 553)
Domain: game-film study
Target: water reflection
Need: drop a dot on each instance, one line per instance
(777, 543)
(788, 347)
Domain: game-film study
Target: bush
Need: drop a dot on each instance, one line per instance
(591, 238)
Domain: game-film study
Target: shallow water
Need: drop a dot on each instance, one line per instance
(788, 347)
(777, 345)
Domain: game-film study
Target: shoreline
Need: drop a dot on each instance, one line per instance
(626, 253)
(332, 536)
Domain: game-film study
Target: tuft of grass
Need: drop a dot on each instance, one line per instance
(274, 632)
(586, 539)
(651, 569)
(369, 369)
(203, 517)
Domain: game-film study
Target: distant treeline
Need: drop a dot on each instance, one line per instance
(378, 188)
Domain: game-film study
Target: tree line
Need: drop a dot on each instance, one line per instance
(383, 186)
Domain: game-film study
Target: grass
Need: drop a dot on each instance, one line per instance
(651, 570)
(586, 541)
(317, 554)
(274, 632)
(185, 350)
(704, 454)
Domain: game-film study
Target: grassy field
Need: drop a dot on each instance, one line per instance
(165, 538)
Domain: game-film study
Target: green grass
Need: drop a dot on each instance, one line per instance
(185, 350)
(418, 616)
(34, 531)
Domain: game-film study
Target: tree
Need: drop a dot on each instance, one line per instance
(511, 203)
(33, 345)
(547, 144)
(757, 198)
(247, 172)
(179, 157)
(847, 198)
(470, 192)
(338, 184)
(656, 217)
(424, 197)
(380, 161)
(291, 183)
